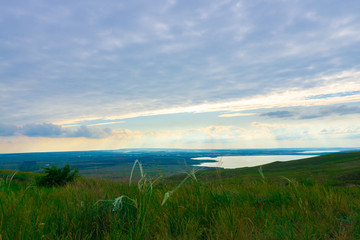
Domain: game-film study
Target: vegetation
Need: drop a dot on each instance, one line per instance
(207, 205)
(332, 169)
(118, 164)
(55, 176)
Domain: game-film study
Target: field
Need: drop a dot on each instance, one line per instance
(317, 198)
(117, 163)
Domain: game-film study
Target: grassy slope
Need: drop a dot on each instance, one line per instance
(336, 168)
(238, 204)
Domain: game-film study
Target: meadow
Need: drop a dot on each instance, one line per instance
(317, 198)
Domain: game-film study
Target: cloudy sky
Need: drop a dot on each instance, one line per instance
(78, 75)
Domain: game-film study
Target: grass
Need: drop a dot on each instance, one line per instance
(331, 169)
(230, 206)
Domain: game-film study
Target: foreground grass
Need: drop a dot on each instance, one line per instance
(231, 208)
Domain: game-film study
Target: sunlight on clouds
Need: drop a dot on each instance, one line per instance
(237, 115)
(26, 144)
(258, 135)
(17, 144)
(332, 85)
(105, 123)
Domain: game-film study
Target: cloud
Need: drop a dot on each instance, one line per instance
(7, 130)
(49, 130)
(42, 130)
(237, 115)
(259, 134)
(106, 123)
(114, 61)
(293, 97)
(339, 110)
(335, 95)
(278, 114)
(91, 132)
(220, 52)
(341, 130)
(314, 112)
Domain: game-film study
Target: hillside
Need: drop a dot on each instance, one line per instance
(333, 168)
(212, 204)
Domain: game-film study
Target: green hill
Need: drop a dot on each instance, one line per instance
(336, 168)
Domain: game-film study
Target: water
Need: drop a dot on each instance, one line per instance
(231, 162)
(319, 151)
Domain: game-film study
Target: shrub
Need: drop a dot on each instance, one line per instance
(57, 176)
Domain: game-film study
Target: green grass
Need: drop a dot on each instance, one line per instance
(333, 169)
(238, 204)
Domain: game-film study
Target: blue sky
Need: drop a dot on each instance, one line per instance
(205, 74)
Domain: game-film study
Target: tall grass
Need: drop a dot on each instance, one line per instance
(5, 183)
(228, 208)
(134, 208)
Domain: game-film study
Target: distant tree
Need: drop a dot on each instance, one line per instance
(57, 176)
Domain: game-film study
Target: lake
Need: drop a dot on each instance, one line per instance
(231, 162)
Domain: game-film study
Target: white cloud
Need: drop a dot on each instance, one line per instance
(237, 115)
(105, 123)
(48, 130)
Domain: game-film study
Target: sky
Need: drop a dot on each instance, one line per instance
(97, 75)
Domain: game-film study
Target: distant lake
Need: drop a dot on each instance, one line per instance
(231, 162)
(320, 151)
